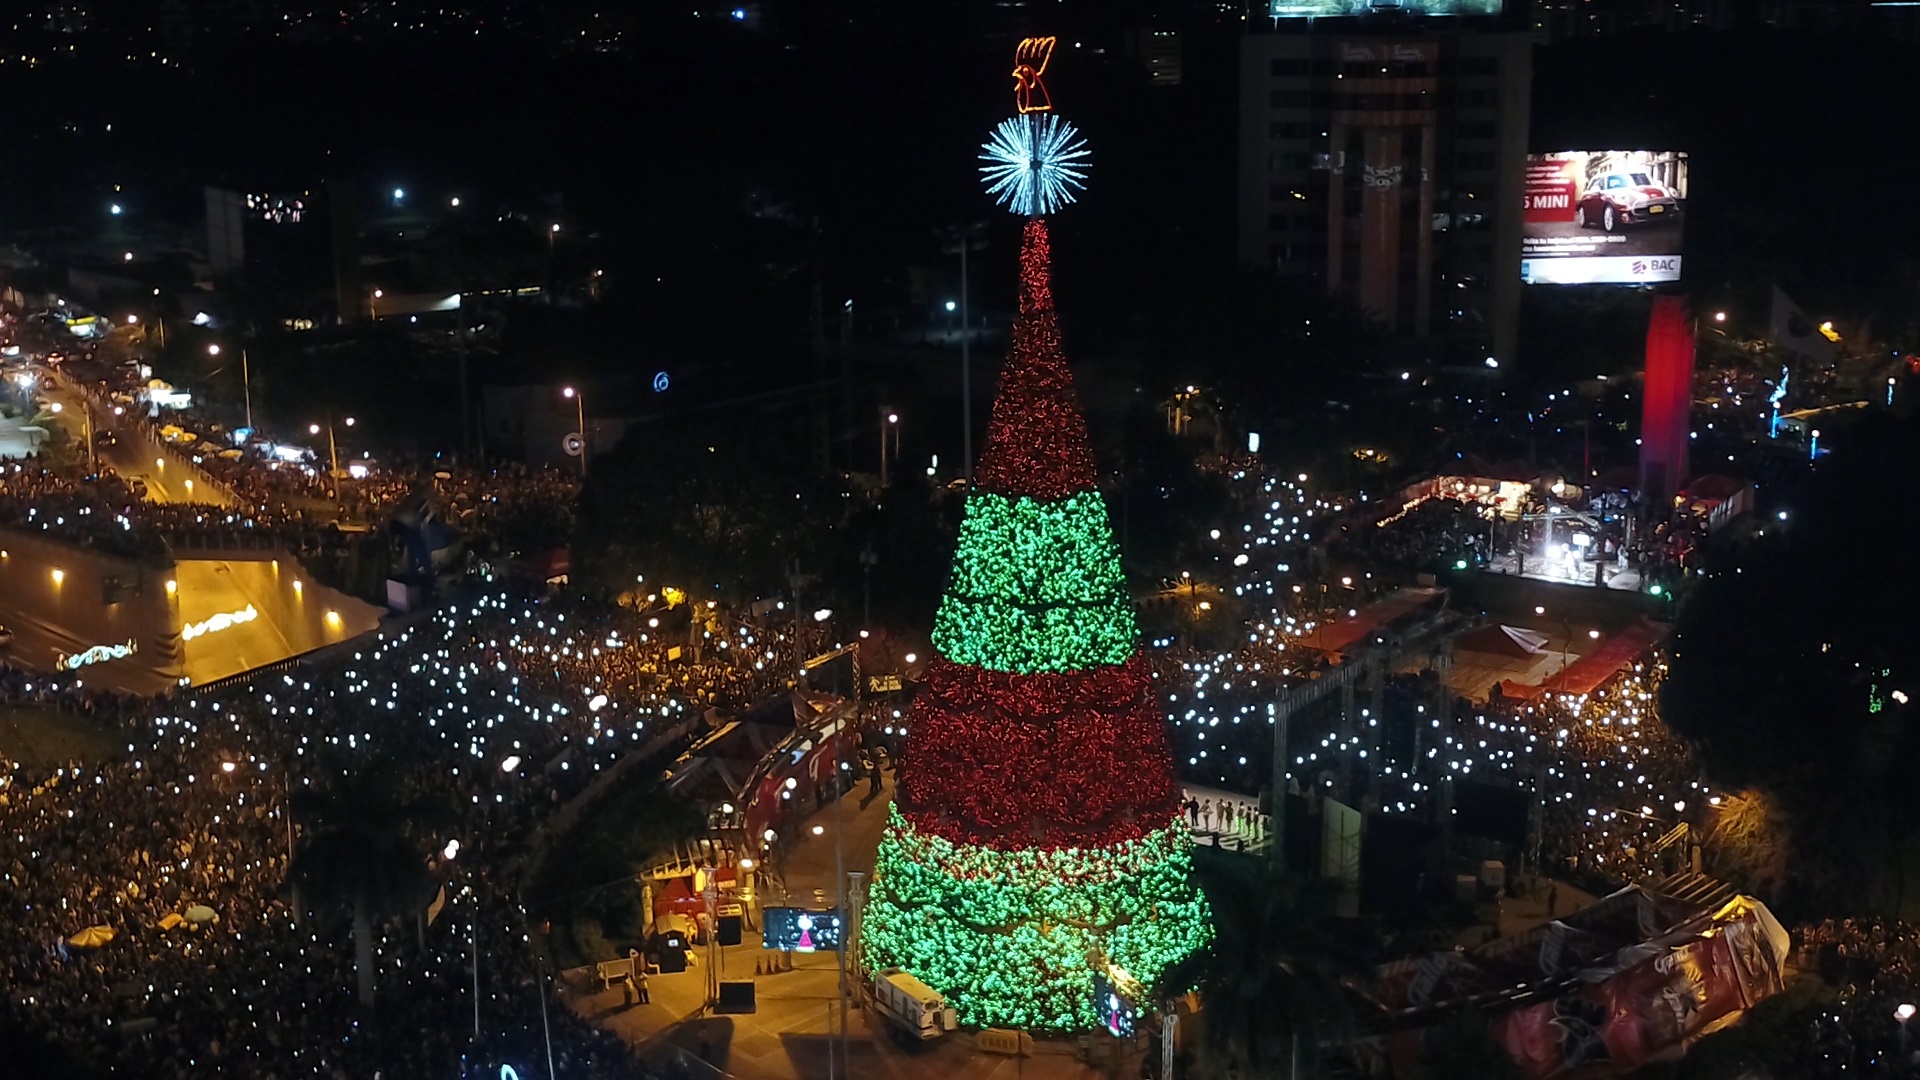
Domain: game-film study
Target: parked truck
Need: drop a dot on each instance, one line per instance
(914, 1010)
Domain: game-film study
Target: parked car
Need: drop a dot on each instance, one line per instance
(1614, 200)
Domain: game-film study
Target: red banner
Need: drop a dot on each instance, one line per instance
(1645, 1013)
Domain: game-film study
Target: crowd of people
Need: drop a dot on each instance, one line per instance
(1874, 964)
(96, 511)
(1433, 535)
(143, 899)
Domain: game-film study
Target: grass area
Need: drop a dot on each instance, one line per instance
(40, 735)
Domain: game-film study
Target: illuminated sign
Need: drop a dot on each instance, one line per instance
(99, 654)
(1326, 9)
(1603, 217)
(222, 621)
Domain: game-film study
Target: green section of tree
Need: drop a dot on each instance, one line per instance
(1036, 586)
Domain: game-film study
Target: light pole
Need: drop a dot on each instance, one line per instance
(964, 237)
(373, 305)
(553, 235)
(333, 450)
(889, 426)
(246, 379)
(1904, 1012)
(580, 415)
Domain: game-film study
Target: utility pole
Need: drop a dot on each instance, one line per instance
(966, 369)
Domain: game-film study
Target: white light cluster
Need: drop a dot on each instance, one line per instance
(1035, 163)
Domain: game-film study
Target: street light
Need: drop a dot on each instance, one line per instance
(373, 306)
(333, 449)
(1719, 316)
(580, 415)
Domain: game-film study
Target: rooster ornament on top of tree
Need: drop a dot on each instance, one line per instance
(1036, 840)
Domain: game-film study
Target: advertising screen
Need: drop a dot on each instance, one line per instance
(1327, 9)
(800, 930)
(1603, 217)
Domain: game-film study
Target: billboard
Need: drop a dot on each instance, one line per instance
(1603, 217)
(1326, 9)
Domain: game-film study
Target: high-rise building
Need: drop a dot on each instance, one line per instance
(1384, 162)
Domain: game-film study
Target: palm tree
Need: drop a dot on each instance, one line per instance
(1278, 979)
(356, 854)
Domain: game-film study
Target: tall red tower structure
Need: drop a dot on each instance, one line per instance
(1667, 400)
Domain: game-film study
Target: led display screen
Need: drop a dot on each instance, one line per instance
(1603, 217)
(1326, 9)
(800, 930)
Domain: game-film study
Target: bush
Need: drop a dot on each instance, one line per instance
(591, 942)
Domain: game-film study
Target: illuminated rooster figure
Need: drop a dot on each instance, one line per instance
(1035, 161)
(1029, 63)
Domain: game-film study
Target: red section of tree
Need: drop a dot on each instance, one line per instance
(1037, 439)
(1012, 761)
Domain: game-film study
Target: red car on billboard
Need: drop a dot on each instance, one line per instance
(1614, 200)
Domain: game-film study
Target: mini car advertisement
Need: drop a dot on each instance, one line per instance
(1603, 217)
(1327, 9)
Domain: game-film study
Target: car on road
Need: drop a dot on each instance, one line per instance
(105, 439)
(1614, 200)
(6, 636)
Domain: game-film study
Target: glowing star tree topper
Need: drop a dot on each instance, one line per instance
(1035, 161)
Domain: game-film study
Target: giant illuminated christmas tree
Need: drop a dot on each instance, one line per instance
(1036, 838)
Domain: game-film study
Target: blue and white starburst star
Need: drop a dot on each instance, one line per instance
(1035, 163)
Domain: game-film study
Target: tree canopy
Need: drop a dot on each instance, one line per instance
(1792, 663)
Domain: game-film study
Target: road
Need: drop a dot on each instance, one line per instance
(169, 475)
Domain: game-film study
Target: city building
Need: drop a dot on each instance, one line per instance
(1159, 52)
(1383, 161)
(1561, 19)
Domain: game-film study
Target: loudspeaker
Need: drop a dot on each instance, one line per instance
(735, 997)
(727, 932)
